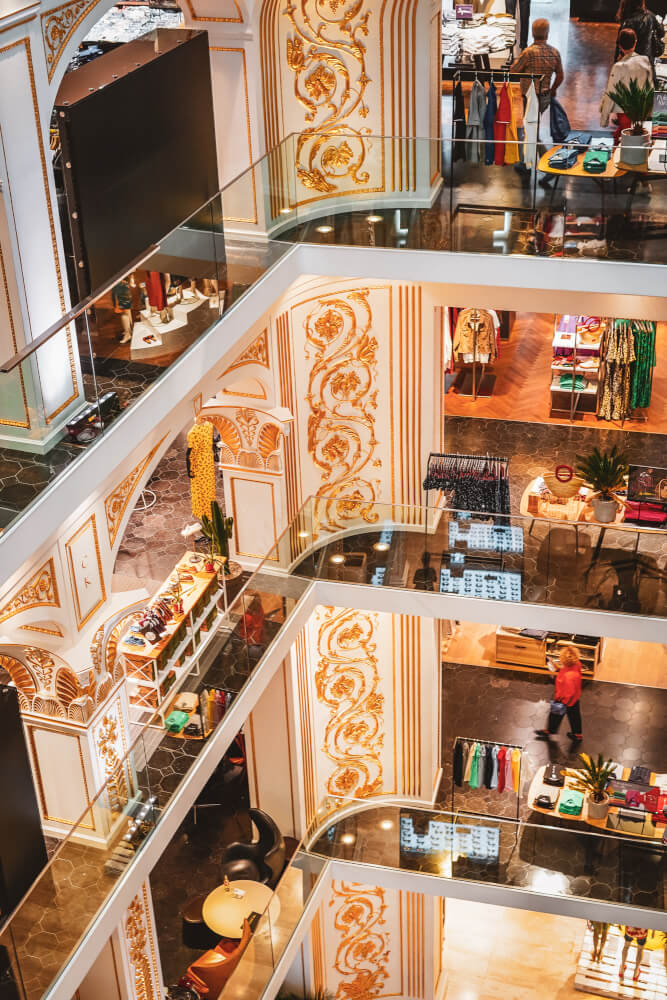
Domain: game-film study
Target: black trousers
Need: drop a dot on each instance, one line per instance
(524, 11)
(574, 718)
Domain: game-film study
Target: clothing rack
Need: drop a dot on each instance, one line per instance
(455, 75)
(491, 743)
(466, 463)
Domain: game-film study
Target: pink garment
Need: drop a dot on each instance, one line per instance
(508, 770)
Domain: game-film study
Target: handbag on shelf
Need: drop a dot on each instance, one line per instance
(545, 802)
(553, 775)
(557, 707)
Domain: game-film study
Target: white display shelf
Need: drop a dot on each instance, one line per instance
(601, 978)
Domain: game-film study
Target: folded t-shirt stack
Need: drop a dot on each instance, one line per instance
(598, 156)
(564, 158)
(571, 802)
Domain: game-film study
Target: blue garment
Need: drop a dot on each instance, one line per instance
(489, 120)
(559, 124)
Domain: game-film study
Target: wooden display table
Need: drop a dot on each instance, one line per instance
(575, 510)
(649, 830)
(612, 170)
(224, 912)
(155, 669)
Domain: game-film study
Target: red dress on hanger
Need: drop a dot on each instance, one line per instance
(503, 119)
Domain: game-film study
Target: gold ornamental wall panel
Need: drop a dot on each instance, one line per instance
(40, 590)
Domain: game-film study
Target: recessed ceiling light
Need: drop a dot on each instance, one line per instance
(324, 229)
(386, 824)
(381, 546)
(285, 211)
(374, 218)
(337, 558)
(347, 838)
(302, 534)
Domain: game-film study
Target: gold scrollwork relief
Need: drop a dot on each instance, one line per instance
(115, 504)
(136, 935)
(57, 27)
(347, 681)
(109, 750)
(246, 441)
(342, 396)
(256, 353)
(41, 590)
(327, 56)
(362, 953)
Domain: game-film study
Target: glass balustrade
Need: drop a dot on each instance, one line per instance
(338, 189)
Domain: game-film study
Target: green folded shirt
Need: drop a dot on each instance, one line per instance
(571, 802)
(596, 160)
(175, 722)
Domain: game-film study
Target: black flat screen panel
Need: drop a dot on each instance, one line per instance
(141, 147)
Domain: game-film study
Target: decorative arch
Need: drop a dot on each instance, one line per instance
(250, 438)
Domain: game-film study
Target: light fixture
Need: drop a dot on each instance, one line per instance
(373, 218)
(324, 229)
(386, 824)
(347, 838)
(381, 546)
(337, 558)
(285, 211)
(302, 534)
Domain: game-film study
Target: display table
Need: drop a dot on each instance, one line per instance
(532, 652)
(576, 510)
(647, 830)
(155, 669)
(224, 912)
(611, 172)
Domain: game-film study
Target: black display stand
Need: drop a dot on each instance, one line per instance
(488, 743)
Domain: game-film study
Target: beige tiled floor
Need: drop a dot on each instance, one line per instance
(623, 661)
(494, 953)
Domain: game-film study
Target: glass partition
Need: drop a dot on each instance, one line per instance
(542, 858)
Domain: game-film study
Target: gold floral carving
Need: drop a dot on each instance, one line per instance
(342, 399)
(327, 56)
(51, 628)
(41, 590)
(347, 681)
(256, 354)
(115, 778)
(247, 422)
(117, 501)
(58, 25)
(362, 953)
(136, 935)
(242, 444)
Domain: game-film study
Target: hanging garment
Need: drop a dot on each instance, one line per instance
(516, 768)
(201, 468)
(447, 351)
(467, 771)
(617, 372)
(466, 754)
(494, 767)
(475, 129)
(488, 766)
(489, 121)
(474, 771)
(511, 135)
(502, 753)
(475, 334)
(459, 114)
(645, 360)
(458, 763)
(508, 770)
(155, 289)
(503, 118)
(531, 117)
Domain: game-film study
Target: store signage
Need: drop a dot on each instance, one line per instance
(463, 11)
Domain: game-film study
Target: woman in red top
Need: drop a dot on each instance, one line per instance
(568, 693)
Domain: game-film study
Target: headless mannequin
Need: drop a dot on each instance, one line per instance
(638, 935)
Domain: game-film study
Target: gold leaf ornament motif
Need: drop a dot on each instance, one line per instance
(342, 399)
(327, 56)
(347, 681)
(362, 953)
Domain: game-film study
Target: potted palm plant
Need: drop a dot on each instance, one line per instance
(604, 472)
(218, 530)
(637, 103)
(592, 779)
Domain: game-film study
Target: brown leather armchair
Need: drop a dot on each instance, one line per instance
(210, 971)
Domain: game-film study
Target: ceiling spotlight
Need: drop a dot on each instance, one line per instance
(324, 229)
(285, 211)
(302, 534)
(386, 824)
(381, 546)
(337, 558)
(374, 218)
(347, 838)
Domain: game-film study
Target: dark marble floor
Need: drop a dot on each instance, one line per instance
(556, 856)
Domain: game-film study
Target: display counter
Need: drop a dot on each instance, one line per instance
(155, 668)
(640, 825)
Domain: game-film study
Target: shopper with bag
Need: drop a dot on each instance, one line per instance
(566, 696)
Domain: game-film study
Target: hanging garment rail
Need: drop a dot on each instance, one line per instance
(488, 743)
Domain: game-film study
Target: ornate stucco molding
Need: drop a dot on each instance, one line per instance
(116, 503)
(41, 590)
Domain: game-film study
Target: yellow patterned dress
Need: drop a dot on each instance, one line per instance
(202, 469)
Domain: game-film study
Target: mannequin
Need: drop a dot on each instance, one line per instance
(600, 932)
(639, 936)
(121, 298)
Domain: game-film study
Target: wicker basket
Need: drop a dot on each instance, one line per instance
(563, 490)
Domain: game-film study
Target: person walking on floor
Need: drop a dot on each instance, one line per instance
(630, 66)
(566, 696)
(646, 26)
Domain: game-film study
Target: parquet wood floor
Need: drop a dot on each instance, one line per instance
(523, 377)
